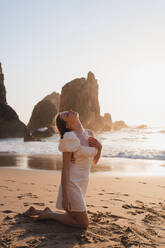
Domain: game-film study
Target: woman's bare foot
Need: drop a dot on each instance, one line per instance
(32, 211)
(45, 215)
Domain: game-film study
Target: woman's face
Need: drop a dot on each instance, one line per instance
(70, 117)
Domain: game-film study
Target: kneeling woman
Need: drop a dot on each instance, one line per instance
(80, 149)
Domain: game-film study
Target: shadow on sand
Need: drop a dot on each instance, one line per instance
(105, 230)
(24, 232)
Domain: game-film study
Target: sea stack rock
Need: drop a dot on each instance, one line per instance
(10, 125)
(107, 122)
(81, 95)
(42, 122)
(2, 88)
(117, 125)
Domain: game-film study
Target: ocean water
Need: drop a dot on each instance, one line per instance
(146, 146)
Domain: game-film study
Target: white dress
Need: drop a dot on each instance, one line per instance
(78, 171)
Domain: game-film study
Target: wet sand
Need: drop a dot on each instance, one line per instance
(123, 211)
(115, 166)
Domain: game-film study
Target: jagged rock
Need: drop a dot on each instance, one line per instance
(10, 125)
(43, 116)
(143, 126)
(103, 123)
(2, 88)
(117, 125)
(107, 122)
(81, 95)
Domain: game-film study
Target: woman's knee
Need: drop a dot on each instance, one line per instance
(81, 219)
(83, 224)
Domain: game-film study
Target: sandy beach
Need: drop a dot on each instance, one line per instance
(123, 211)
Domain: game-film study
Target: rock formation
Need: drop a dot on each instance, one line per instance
(143, 126)
(10, 125)
(43, 117)
(117, 125)
(2, 88)
(107, 122)
(81, 95)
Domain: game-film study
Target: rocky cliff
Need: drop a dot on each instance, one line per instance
(81, 95)
(117, 125)
(43, 116)
(10, 125)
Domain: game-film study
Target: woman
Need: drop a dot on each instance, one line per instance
(80, 149)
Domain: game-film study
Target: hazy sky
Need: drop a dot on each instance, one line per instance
(47, 43)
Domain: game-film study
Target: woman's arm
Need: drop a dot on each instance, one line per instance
(95, 143)
(65, 179)
(97, 156)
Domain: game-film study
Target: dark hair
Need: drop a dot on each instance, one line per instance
(61, 126)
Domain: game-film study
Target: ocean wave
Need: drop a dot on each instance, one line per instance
(127, 143)
(20, 147)
(143, 154)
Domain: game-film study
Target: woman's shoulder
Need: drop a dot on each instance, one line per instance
(69, 135)
(69, 142)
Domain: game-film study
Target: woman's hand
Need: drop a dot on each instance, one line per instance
(93, 142)
(66, 204)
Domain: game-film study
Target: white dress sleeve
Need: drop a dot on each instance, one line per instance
(69, 143)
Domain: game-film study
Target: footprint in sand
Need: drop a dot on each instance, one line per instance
(115, 199)
(125, 194)
(90, 212)
(11, 181)
(139, 212)
(26, 204)
(161, 186)
(19, 197)
(126, 206)
(4, 187)
(132, 213)
(27, 194)
(7, 211)
(39, 203)
(90, 205)
(142, 182)
(139, 201)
